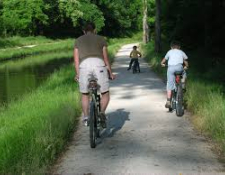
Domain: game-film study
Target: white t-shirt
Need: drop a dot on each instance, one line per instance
(175, 57)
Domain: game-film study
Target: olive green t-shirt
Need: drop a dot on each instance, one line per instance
(90, 45)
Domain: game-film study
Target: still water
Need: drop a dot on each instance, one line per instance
(16, 82)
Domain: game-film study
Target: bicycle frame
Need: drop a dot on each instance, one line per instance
(94, 111)
(136, 66)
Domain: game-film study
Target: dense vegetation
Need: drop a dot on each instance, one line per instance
(65, 18)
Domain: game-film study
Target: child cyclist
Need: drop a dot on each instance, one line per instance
(176, 58)
(134, 54)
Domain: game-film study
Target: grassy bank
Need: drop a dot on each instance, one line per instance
(15, 53)
(204, 97)
(35, 128)
(17, 41)
(37, 59)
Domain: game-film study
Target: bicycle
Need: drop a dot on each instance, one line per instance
(136, 67)
(177, 102)
(94, 120)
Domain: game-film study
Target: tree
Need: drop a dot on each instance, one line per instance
(158, 27)
(21, 15)
(145, 22)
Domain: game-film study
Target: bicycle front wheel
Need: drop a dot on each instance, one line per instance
(179, 101)
(92, 125)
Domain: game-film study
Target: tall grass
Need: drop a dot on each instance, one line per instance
(204, 97)
(207, 102)
(34, 129)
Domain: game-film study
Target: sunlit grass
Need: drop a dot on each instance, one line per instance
(37, 59)
(18, 41)
(15, 53)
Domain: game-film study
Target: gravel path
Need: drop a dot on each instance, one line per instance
(142, 137)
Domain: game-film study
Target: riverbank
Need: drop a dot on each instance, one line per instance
(204, 98)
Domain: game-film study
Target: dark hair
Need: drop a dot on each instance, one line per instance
(175, 44)
(89, 27)
(134, 47)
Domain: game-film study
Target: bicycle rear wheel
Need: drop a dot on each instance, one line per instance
(179, 100)
(173, 101)
(92, 125)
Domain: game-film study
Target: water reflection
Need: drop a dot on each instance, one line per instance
(16, 82)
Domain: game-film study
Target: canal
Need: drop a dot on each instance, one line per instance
(14, 83)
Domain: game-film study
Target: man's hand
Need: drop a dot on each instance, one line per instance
(112, 76)
(163, 64)
(185, 67)
(76, 78)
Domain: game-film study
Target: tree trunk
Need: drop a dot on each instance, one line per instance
(158, 27)
(145, 22)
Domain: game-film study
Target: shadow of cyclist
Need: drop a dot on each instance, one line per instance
(115, 122)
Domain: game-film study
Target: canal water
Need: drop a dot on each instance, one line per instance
(16, 82)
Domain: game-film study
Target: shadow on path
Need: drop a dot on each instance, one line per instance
(116, 121)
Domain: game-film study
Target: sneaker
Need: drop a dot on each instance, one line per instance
(103, 119)
(128, 69)
(168, 104)
(85, 121)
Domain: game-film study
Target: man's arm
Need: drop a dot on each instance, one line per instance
(131, 53)
(106, 60)
(163, 62)
(76, 62)
(186, 65)
(139, 54)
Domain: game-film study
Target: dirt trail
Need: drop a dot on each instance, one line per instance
(142, 137)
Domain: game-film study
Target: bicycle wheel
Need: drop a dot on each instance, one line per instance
(92, 122)
(135, 67)
(172, 102)
(179, 100)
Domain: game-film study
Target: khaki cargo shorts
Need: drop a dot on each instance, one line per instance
(93, 67)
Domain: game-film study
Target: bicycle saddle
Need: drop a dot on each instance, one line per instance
(93, 83)
(178, 73)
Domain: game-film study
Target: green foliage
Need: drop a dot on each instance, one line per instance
(121, 17)
(20, 15)
(113, 18)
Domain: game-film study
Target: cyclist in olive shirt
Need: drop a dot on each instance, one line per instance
(91, 58)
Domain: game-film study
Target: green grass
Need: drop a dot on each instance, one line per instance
(35, 128)
(204, 96)
(14, 53)
(17, 41)
(37, 59)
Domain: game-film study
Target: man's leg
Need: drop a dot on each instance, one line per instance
(85, 104)
(131, 62)
(169, 94)
(170, 86)
(104, 101)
